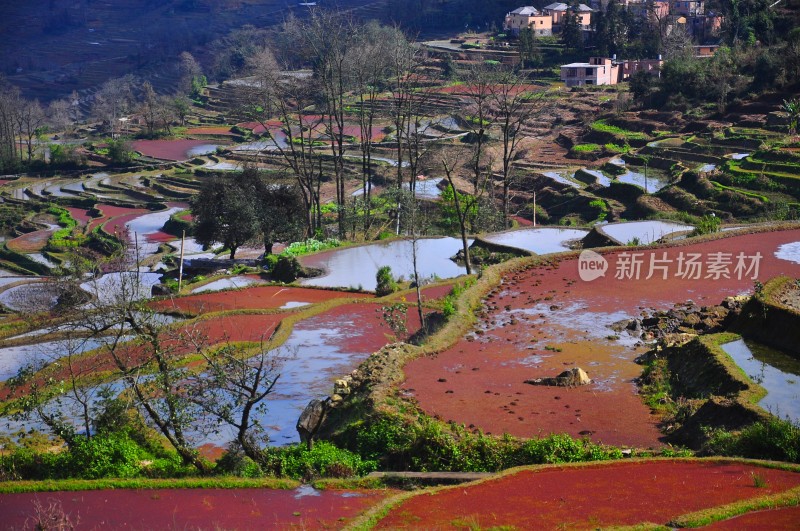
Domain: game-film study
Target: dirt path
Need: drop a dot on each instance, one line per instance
(544, 320)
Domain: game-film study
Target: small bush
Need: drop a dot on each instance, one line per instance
(286, 269)
(323, 460)
(775, 439)
(707, 225)
(105, 455)
(386, 283)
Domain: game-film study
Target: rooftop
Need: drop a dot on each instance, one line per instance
(527, 10)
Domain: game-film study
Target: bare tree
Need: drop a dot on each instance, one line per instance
(58, 115)
(323, 41)
(369, 68)
(148, 108)
(480, 89)
(233, 387)
(272, 95)
(112, 101)
(511, 108)
(408, 100)
(452, 161)
(10, 103)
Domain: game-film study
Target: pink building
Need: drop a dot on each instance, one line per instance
(605, 71)
(558, 11)
(598, 71)
(528, 17)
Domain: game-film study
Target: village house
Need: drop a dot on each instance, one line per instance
(558, 12)
(607, 71)
(688, 8)
(598, 71)
(528, 17)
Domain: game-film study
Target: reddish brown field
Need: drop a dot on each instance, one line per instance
(166, 149)
(545, 319)
(81, 215)
(257, 128)
(590, 496)
(216, 131)
(261, 297)
(242, 509)
(110, 213)
(785, 518)
(31, 242)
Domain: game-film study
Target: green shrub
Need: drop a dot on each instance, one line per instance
(104, 455)
(707, 225)
(431, 445)
(286, 269)
(323, 460)
(310, 245)
(775, 439)
(235, 462)
(386, 283)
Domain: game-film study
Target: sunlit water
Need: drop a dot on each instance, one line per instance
(539, 240)
(775, 371)
(355, 267)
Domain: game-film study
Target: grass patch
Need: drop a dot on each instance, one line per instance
(602, 126)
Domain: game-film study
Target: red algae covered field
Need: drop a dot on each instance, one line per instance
(261, 297)
(242, 509)
(583, 497)
(168, 149)
(545, 319)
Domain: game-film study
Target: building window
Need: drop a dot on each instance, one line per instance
(589, 71)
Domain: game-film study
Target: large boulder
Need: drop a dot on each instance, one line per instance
(569, 378)
(311, 419)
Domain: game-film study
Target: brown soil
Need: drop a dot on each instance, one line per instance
(31, 242)
(266, 297)
(591, 496)
(166, 149)
(197, 509)
(216, 131)
(544, 320)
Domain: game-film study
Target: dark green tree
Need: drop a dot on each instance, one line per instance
(571, 33)
(225, 212)
(611, 30)
(529, 53)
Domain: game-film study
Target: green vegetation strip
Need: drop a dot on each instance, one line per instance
(747, 193)
(602, 126)
(218, 482)
(705, 517)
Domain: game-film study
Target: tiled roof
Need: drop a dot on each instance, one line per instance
(527, 10)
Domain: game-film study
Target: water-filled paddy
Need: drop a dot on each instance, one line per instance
(12, 359)
(227, 283)
(775, 371)
(539, 240)
(645, 232)
(356, 267)
(789, 252)
(652, 183)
